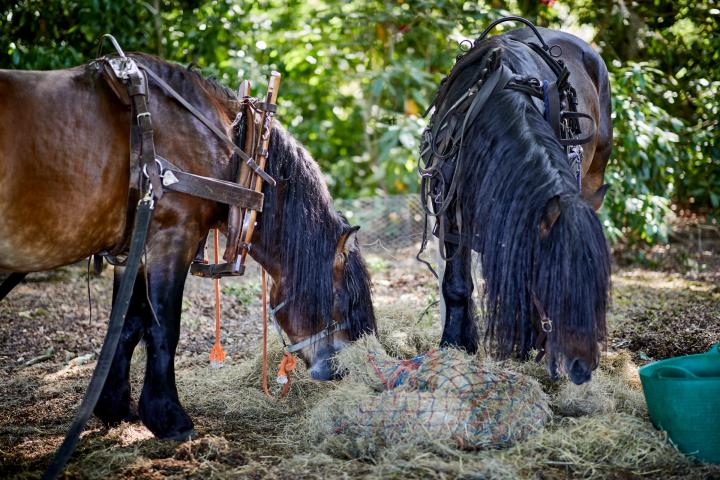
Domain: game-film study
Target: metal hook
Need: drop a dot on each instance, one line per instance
(114, 42)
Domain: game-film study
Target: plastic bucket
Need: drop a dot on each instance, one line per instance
(683, 398)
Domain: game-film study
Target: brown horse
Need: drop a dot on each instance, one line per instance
(517, 202)
(64, 180)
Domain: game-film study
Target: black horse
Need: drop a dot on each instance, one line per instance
(67, 196)
(542, 251)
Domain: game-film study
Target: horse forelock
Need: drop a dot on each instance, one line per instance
(513, 165)
(298, 217)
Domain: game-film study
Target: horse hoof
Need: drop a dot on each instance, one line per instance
(113, 416)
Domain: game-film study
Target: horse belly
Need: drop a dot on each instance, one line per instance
(63, 169)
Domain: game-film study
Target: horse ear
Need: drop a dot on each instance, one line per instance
(342, 242)
(341, 254)
(596, 199)
(550, 215)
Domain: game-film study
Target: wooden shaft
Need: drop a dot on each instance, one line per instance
(267, 119)
(235, 213)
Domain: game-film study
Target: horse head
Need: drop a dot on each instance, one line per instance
(321, 293)
(571, 283)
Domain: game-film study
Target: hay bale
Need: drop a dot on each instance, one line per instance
(443, 396)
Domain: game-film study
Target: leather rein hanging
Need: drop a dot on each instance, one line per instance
(441, 150)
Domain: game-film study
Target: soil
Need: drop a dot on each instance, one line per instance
(48, 342)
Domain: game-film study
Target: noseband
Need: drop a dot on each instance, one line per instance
(309, 341)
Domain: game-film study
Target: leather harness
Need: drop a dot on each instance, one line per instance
(244, 196)
(443, 140)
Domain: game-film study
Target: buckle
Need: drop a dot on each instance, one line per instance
(546, 324)
(160, 170)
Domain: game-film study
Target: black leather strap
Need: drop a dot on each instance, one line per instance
(579, 140)
(137, 89)
(117, 318)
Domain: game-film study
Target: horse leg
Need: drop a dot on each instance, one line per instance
(460, 328)
(115, 403)
(159, 407)
(12, 281)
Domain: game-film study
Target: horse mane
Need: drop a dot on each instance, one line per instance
(512, 167)
(299, 217)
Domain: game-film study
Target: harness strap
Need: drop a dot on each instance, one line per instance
(546, 326)
(494, 83)
(222, 136)
(137, 89)
(208, 188)
(553, 108)
(566, 142)
(117, 318)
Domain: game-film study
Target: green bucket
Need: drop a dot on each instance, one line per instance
(683, 398)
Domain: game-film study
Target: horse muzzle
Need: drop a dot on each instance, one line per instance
(320, 364)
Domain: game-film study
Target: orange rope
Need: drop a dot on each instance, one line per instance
(288, 362)
(265, 325)
(217, 355)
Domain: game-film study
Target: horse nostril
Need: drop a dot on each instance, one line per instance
(579, 371)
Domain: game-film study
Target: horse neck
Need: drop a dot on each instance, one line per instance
(519, 165)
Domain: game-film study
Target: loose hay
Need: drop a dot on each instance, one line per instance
(359, 427)
(597, 447)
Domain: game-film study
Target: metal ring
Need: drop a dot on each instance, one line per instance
(553, 47)
(160, 167)
(546, 325)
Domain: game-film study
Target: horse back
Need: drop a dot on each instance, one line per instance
(63, 167)
(589, 76)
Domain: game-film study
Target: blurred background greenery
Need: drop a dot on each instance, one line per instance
(357, 76)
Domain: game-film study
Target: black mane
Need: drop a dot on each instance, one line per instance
(299, 217)
(512, 167)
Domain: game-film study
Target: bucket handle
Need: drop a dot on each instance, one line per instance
(670, 369)
(714, 349)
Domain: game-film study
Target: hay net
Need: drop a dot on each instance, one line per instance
(442, 396)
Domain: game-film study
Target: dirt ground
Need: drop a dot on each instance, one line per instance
(48, 342)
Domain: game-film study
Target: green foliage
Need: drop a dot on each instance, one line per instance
(357, 76)
(245, 292)
(664, 57)
(647, 148)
